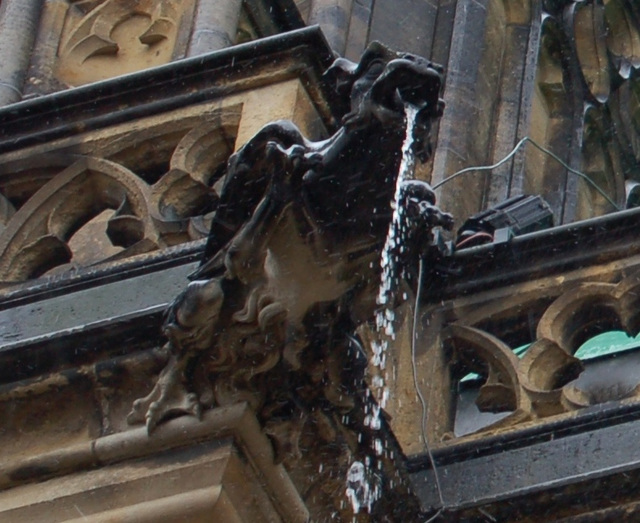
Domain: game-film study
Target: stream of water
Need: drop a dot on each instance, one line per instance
(363, 489)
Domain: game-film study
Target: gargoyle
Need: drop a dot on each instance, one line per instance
(292, 263)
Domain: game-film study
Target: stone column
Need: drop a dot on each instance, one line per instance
(333, 17)
(465, 127)
(215, 26)
(40, 78)
(18, 27)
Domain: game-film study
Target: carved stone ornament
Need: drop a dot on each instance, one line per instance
(105, 38)
(117, 203)
(544, 381)
(292, 265)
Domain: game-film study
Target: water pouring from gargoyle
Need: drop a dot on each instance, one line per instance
(292, 268)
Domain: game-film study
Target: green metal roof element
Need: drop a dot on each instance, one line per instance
(606, 344)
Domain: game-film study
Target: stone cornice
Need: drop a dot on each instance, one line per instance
(236, 422)
(576, 245)
(302, 53)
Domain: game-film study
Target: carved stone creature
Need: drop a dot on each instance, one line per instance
(292, 264)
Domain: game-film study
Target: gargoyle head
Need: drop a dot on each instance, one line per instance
(382, 84)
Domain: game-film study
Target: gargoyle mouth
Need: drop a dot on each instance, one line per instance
(409, 80)
(414, 95)
(423, 92)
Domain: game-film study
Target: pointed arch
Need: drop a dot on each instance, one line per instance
(36, 238)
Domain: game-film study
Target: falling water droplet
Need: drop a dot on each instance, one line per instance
(385, 316)
(363, 486)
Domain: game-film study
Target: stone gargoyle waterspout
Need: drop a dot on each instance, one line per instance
(292, 265)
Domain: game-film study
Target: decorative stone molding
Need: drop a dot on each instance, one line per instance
(226, 454)
(112, 37)
(562, 73)
(477, 351)
(36, 239)
(540, 383)
(145, 213)
(79, 42)
(168, 167)
(595, 49)
(170, 154)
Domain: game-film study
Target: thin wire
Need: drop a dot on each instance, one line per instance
(539, 147)
(483, 167)
(423, 403)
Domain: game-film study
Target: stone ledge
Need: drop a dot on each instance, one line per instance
(236, 422)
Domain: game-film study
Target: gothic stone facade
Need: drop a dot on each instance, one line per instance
(107, 190)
